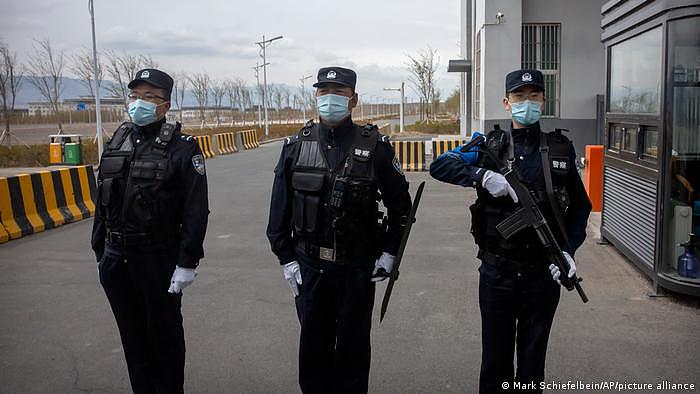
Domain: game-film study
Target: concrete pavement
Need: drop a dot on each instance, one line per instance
(57, 333)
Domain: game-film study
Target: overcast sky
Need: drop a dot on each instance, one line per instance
(217, 36)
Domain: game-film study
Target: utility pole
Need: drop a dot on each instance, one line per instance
(257, 79)
(98, 114)
(362, 109)
(401, 118)
(303, 96)
(263, 46)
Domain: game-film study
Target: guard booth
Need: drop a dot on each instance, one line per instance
(651, 187)
(66, 149)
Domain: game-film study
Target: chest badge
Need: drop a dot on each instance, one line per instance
(361, 153)
(198, 164)
(560, 164)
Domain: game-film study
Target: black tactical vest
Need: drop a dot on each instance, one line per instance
(134, 201)
(488, 211)
(336, 208)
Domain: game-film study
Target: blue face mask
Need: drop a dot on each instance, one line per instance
(332, 107)
(142, 112)
(526, 112)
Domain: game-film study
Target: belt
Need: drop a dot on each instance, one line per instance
(340, 256)
(507, 264)
(115, 238)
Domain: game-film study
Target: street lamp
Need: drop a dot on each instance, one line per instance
(98, 114)
(401, 120)
(257, 79)
(263, 46)
(303, 97)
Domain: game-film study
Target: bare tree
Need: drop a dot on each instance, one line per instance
(179, 88)
(235, 90)
(436, 101)
(121, 68)
(45, 69)
(82, 67)
(246, 100)
(230, 90)
(423, 68)
(200, 83)
(278, 96)
(10, 82)
(241, 90)
(218, 91)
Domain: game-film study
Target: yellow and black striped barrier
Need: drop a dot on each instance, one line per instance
(31, 203)
(441, 146)
(225, 143)
(411, 154)
(204, 142)
(249, 139)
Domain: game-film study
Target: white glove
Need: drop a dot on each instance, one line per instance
(182, 277)
(292, 274)
(554, 270)
(497, 185)
(383, 267)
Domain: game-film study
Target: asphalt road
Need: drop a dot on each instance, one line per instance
(57, 333)
(39, 133)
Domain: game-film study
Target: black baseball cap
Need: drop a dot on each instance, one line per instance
(155, 78)
(519, 78)
(336, 75)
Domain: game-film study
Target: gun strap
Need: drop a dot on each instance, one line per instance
(556, 211)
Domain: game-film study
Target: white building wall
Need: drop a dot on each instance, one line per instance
(582, 53)
(582, 69)
(500, 53)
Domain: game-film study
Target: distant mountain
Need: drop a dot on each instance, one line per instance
(74, 88)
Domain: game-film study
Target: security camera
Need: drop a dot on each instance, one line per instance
(499, 17)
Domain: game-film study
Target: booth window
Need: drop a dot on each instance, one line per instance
(635, 74)
(541, 48)
(682, 200)
(650, 143)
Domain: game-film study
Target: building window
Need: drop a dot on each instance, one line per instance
(477, 77)
(635, 74)
(541, 49)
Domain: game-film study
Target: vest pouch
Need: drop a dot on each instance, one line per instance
(477, 225)
(307, 200)
(113, 167)
(151, 169)
(105, 191)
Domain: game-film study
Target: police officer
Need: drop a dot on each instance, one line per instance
(148, 232)
(326, 230)
(517, 295)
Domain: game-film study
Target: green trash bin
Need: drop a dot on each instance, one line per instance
(72, 153)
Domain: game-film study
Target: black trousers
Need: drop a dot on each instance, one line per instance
(335, 312)
(516, 317)
(148, 317)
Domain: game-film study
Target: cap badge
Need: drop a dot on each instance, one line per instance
(145, 74)
(527, 77)
(331, 75)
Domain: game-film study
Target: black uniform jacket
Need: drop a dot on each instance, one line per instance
(186, 184)
(391, 182)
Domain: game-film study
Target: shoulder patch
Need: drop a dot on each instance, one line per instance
(383, 138)
(185, 137)
(198, 164)
(397, 165)
(291, 139)
(308, 124)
